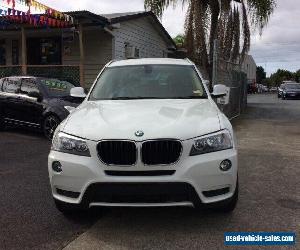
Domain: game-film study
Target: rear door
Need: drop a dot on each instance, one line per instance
(10, 97)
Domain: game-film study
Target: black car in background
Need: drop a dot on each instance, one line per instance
(290, 90)
(36, 102)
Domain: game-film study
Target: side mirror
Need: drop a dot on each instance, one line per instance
(77, 92)
(36, 95)
(221, 92)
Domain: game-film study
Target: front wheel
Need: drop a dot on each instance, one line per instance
(49, 126)
(2, 124)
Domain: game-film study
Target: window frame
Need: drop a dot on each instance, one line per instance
(198, 74)
(1, 83)
(7, 80)
(35, 83)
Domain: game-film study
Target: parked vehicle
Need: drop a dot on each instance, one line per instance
(252, 88)
(262, 88)
(280, 90)
(290, 90)
(281, 87)
(148, 134)
(36, 102)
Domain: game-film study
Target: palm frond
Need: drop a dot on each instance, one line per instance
(229, 21)
(236, 35)
(246, 32)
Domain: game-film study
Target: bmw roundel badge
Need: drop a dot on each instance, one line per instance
(139, 133)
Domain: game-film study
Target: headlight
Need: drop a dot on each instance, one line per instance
(70, 144)
(211, 143)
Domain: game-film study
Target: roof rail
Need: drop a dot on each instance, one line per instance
(112, 61)
(190, 61)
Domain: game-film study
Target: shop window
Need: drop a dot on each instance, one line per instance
(44, 51)
(15, 52)
(2, 52)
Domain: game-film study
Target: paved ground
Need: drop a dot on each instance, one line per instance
(269, 155)
(28, 218)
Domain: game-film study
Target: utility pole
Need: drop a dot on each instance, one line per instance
(215, 63)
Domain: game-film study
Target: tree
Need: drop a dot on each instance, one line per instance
(261, 75)
(229, 21)
(179, 40)
(297, 76)
(281, 75)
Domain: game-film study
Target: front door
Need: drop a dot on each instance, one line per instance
(31, 107)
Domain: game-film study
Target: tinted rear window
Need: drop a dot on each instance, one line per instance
(292, 86)
(11, 85)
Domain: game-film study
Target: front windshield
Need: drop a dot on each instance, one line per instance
(148, 82)
(293, 86)
(57, 88)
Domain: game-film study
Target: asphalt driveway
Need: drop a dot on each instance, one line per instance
(269, 159)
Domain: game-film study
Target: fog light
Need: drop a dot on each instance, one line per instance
(225, 165)
(56, 166)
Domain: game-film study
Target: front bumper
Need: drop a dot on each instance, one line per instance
(295, 95)
(82, 178)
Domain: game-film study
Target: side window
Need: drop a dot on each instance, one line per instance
(12, 86)
(28, 85)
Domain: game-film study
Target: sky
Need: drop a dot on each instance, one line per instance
(278, 47)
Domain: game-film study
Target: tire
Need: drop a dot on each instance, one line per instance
(229, 205)
(283, 97)
(50, 123)
(2, 124)
(68, 209)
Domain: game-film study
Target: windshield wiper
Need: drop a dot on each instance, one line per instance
(132, 98)
(190, 97)
(152, 97)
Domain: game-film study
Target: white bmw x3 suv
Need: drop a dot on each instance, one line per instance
(148, 134)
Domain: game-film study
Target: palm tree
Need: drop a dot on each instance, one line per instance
(229, 21)
(179, 40)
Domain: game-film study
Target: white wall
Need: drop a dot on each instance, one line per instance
(249, 67)
(142, 34)
(97, 50)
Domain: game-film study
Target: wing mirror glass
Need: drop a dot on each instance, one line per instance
(221, 92)
(77, 92)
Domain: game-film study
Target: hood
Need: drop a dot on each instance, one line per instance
(178, 119)
(66, 101)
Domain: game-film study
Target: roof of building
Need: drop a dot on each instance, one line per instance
(85, 14)
(147, 61)
(127, 16)
(121, 17)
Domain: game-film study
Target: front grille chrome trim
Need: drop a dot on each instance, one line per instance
(139, 146)
(116, 140)
(170, 164)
